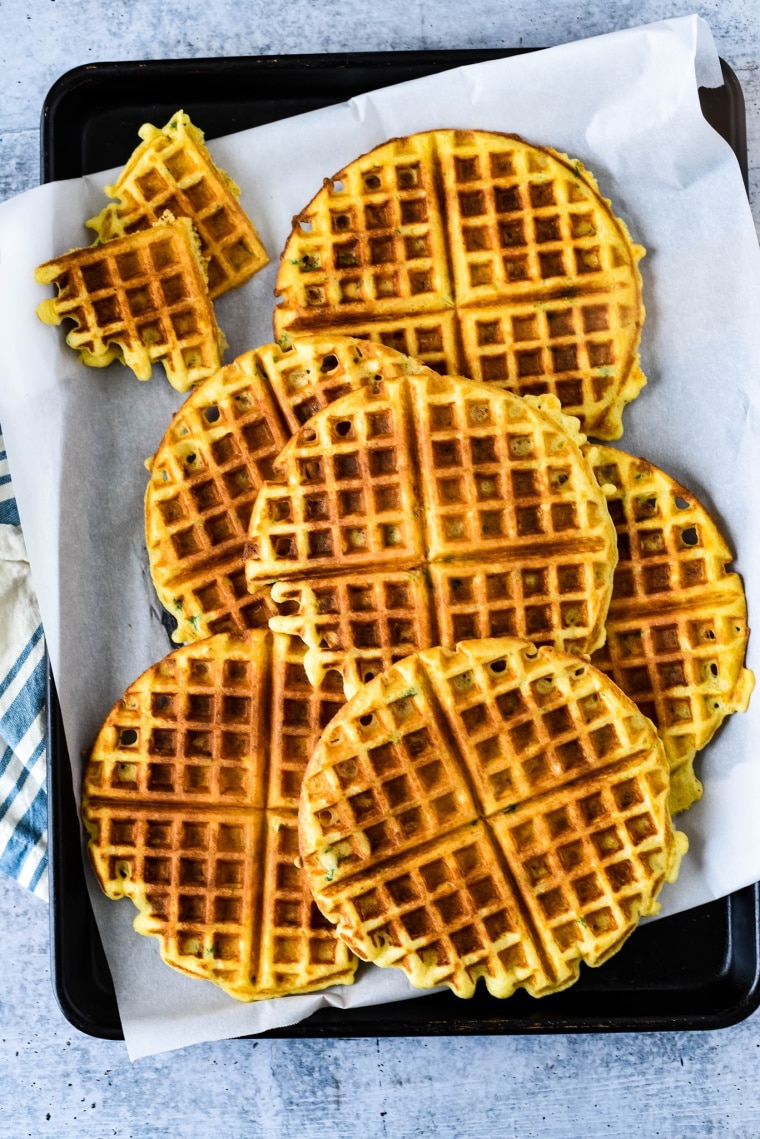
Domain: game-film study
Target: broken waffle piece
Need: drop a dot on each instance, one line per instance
(173, 170)
(424, 510)
(217, 451)
(140, 299)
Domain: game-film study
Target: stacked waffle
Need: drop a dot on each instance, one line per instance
(218, 451)
(478, 650)
(424, 509)
(175, 240)
(410, 510)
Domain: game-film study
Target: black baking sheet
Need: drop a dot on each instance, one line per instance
(699, 969)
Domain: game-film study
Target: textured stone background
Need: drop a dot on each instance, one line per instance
(57, 1082)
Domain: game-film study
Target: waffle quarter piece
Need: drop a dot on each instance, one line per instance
(425, 510)
(484, 256)
(497, 811)
(190, 802)
(218, 451)
(140, 299)
(677, 624)
(172, 170)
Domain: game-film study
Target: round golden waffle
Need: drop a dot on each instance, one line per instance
(217, 452)
(497, 811)
(677, 623)
(483, 255)
(189, 799)
(428, 509)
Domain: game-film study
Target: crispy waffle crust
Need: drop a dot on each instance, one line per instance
(497, 812)
(138, 299)
(189, 799)
(172, 170)
(484, 256)
(218, 451)
(677, 623)
(424, 510)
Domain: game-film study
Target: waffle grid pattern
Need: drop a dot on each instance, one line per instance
(172, 170)
(219, 449)
(429, 337)
(141, 298)
(575, 349)
(524, 229)
(494, 472)
(556, 838)
(587, 866)
(677, 624)
(516, 539)
(314, 371)
(295, 935)
(191, 810)
(349, 493)
(303, 714)
(200, 892)
(373, 236)
(359, 627)
(448, 913)
(523, 220)
(532, 601)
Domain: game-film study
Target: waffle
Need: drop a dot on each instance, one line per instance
(138, 299)
(172, 170)
(218, 450)
(190, 802)
(677, 624)
(484, 256)
(497, 812)
(426, 509)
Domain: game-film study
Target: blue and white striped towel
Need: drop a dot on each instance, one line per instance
(23, 793)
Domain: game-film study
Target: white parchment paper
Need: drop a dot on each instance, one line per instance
(626, 104)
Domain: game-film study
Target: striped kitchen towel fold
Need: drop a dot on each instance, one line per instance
(23, 794)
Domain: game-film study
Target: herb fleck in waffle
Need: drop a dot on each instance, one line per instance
(677, 623)
(495, 812)
(189, 799)
(484, 256)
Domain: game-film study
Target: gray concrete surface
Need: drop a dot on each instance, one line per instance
(55, 1081)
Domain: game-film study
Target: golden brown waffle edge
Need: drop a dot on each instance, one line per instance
(426, 510)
